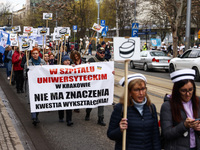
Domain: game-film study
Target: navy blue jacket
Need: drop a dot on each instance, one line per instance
(142, 132)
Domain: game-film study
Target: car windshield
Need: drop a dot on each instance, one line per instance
(158, 53)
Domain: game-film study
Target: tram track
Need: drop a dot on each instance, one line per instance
(157, 87)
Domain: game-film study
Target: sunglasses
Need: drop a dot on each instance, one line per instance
(101, 52)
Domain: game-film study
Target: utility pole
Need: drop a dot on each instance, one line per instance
(135, 12)
(98, 3)
(56, 18)
(117, 20)
(188, 24)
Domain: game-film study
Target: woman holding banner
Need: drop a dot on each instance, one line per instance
(180, 125)
(46, 58)
(66, 61)
(76, 59)
(141, 122)
(35, 60)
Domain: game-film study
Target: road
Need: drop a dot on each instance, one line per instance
(84, 135)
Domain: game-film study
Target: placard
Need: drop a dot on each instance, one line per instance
(126, 48)
(64, 31)
(47, 16)
(97, 27)
(16, 29)
(61, 87)
(28, 29)
(43, 31)
(13, 40)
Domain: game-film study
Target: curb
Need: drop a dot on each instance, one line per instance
(9, 138)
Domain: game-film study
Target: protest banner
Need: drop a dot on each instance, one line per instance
(47, 16)
(97, 28)
(155, 42)
(34, 32)
(4, 40)
(63, 31)
(39, 39)
(16, 29)
(126, 49)
(13, 40)
(59, 87)
(28, 29)
(43, 31)
(26, 44)
(56, 37)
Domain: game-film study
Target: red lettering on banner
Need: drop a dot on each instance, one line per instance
(62, 70)
(53, 71)
(72, 78)
(92, 69)
(83, 70)
(89, 77)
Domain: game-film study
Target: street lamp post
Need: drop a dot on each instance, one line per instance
(187, 35)
(98, 3)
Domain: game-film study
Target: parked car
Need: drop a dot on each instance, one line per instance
(151, 59)
(189, 59)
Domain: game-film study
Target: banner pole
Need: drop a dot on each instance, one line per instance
(65, 44)
(58, 54)
(125, 101)
(88, 44)
(47, 23)
(55, 49)
(61, 49)
(43, 46)
(11, 74)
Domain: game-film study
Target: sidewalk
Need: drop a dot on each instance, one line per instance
(9, 139)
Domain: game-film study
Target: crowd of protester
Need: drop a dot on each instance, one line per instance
(180, 123)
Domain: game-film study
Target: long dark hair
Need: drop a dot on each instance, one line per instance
(176, 101)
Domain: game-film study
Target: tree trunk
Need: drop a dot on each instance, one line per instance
(175, 42)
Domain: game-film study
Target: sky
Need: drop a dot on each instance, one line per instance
(16, 4)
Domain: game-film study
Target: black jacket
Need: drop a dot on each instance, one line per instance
(142, 132)
(176, 135)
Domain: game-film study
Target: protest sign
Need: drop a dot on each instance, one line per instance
(43, 31)
(4, 40)
(34, 32)
(28, 29)
(39, 39)
(47, 16)
(59, 87)
(155, 42)
(16, 29)
(126, 48)
(26, 44)
(56, 37)
(63, 31)
(13, 40)
(97, 27)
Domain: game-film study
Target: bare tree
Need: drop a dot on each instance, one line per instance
(174, 10)
(125, 15)
(5, 14)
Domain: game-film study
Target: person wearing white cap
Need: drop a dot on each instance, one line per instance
(179, 115)
(141, 122)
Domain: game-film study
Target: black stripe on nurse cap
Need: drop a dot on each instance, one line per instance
(133, 77)
(182, 75)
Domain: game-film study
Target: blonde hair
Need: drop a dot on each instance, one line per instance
(129, 98)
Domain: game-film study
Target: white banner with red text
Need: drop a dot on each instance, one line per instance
(59, 87)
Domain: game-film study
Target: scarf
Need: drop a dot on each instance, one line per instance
(139, 106)
(36, 62)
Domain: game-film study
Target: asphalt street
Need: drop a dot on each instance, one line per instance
(50, 134)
